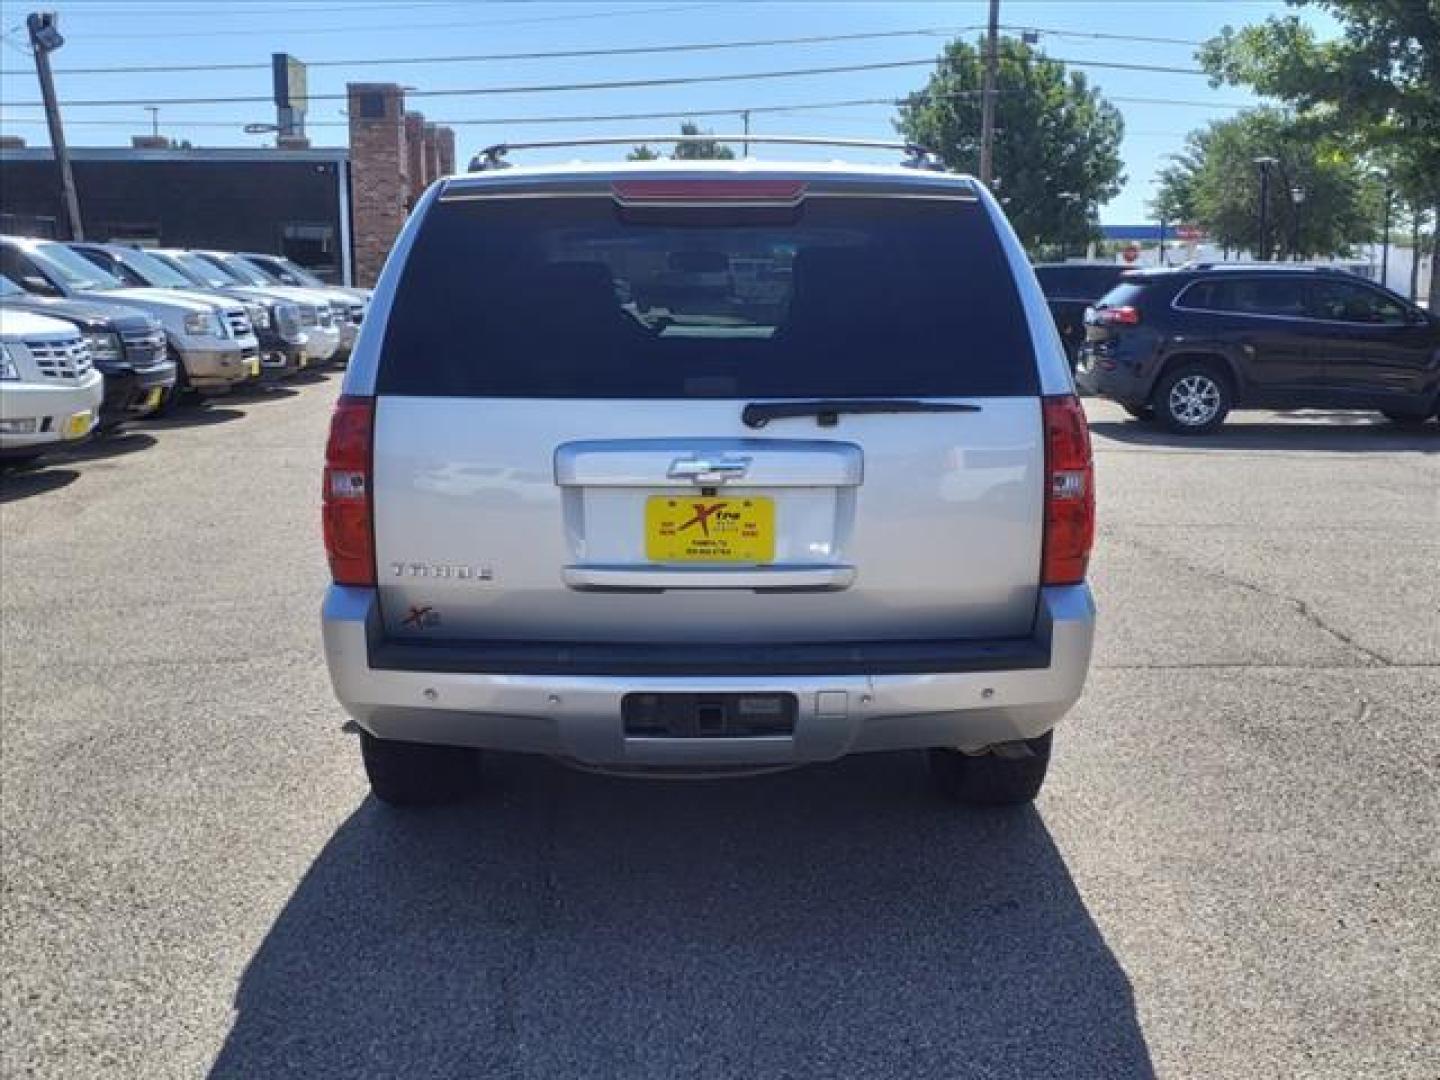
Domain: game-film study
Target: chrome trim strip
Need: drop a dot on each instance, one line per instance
(1175, 305)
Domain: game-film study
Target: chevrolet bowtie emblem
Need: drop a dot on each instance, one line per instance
(708, 471)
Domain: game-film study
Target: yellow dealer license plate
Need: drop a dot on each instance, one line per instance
(79, 425)
(153, 399)
(254, 368)
(684, 528)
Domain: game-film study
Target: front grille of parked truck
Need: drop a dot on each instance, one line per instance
(237, 322)
(60, 359)
(143, 347)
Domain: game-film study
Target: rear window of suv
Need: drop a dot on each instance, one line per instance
(843, 297)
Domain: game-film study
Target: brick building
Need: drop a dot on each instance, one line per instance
(335, 210)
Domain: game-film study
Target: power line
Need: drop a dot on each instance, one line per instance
(624, 84)
(612, 13)
(566, 54)
(580, 53)
(1098, 35)
(617, 117)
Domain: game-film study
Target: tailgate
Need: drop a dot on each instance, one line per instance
(506, 519)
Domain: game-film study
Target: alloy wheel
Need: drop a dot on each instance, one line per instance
(1194, 400)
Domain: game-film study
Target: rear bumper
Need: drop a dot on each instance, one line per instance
(578, 716)
(1120, 374)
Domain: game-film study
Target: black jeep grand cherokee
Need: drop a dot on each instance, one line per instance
(1184, 347)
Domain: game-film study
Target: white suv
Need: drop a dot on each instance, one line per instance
(50, 392)
(708, 467)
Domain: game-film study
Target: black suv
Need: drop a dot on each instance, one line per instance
(1184, 347)
(1069, 289)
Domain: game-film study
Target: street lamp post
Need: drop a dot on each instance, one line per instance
(1265, 164)
(1385, 240)
(1297, 196)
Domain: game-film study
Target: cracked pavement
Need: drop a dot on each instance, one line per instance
(1232, 871)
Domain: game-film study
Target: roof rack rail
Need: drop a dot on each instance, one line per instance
(1247, 267)
(916, 156)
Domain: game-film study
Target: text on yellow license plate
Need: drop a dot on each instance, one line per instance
(686, 528)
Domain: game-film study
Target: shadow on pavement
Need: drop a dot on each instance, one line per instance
(110, 445)
(23, 483)
(1309, 431)
(838, 921)
(189, 416)
(263, 392)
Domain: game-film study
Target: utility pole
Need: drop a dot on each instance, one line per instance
(987, 98)
(154, 111)
(745, 116)
(44, 39)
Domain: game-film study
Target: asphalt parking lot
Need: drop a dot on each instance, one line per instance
(1234, 870)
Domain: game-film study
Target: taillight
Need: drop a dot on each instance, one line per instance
(1125, 315)
(345, 501)
(1069, 492)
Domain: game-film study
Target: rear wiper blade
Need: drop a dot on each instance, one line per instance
(827, 413)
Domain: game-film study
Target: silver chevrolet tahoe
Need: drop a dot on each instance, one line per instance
(701, 468)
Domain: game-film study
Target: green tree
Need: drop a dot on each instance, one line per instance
(688, 151)
(705, 148)
(1378, 84)
(1215, 183)
(1174, 199)
(1057, 143)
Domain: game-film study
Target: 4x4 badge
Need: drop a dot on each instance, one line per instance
(421, 617)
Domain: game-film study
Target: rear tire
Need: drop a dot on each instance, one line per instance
(1192, 399)
(1143, 413)
(991, 780)
(418, 774)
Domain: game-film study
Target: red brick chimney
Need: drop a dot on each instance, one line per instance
(415, 154)
(379, 173)
(445, 147)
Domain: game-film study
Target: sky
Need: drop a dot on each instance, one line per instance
(1159, 107)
